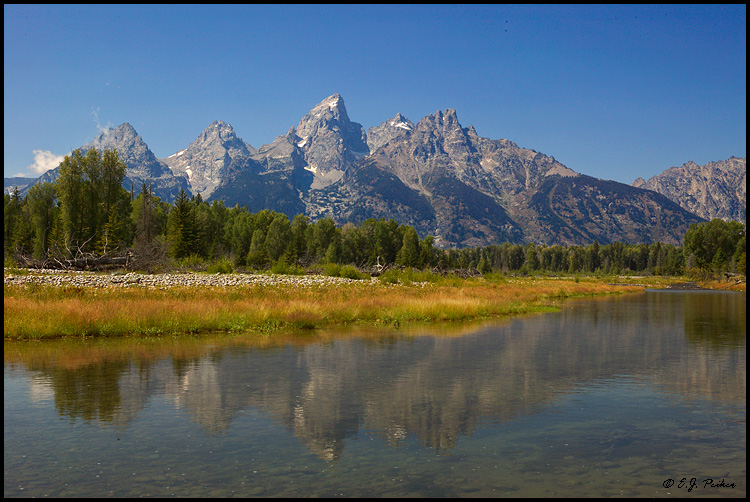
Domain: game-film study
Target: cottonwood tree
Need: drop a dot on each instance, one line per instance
(41, 202)
(93, 204)
(12, 211)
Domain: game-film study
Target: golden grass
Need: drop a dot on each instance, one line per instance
(48, 312)
(727, 285)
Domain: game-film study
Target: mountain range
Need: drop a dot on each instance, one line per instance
(436, 175)
(714, 190)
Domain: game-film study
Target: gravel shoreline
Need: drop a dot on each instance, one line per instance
(156, 281)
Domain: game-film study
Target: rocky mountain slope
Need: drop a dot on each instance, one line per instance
(436, 175)
(17, 182)
(714, 190)
(329, 141)
(466, 190)
(142, 164)
(207, 160)
(447, 181)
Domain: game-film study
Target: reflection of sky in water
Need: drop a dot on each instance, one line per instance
(554, 404)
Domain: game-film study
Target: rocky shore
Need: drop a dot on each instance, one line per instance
(189, 279)
(684, 286)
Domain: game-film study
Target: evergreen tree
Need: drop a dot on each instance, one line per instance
(116, 228)
(218, 217)
(201, 218)
(388, 241)
(278, 237)
(674, 262)
(111, 233)
(408, 255)
(740, 256)
(238, 232)
(56, 241)
(324, 231)
(23, 234)
(298, 245)
(532, 260)
(41, 202)
(427, 252)
(143, 218)
(352, 247)
(704, 241)
(111, 178)
(181, 233)
(333, 253)
(257, 256)
(595, 259)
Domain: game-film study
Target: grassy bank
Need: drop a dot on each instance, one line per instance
(39, 311)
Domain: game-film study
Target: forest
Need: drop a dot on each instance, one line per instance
(86, 219)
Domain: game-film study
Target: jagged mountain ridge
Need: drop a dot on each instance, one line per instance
(447, 181)
(714, 190)
(437, 176)
(329, 141)
(142, 164)
(387, 131)
(208, 159)
(476, 191)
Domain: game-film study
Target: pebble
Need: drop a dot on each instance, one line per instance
(66, 278)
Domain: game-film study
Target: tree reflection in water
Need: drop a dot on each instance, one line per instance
(327, 387)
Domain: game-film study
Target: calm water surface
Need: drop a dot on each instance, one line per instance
(609, 397)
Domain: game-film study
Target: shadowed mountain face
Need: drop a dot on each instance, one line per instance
(437, 176)
(715, 190)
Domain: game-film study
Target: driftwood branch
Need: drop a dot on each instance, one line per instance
(79, 260)
(379, 268)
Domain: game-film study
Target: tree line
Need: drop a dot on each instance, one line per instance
(87, 213)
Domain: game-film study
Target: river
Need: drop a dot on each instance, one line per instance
(637, 395)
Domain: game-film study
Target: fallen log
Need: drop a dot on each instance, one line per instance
(89, 262)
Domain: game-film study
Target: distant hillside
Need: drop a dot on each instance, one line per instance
(16, 182)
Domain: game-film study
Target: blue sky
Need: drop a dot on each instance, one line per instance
(615, 92)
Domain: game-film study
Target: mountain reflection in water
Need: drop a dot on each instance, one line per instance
(436, 387)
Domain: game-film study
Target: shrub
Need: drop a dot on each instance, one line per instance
(192, 262)
(345, 271)
(351, 272)
(223, 266)
(409, 276)
(389, 277)
(283, 267)
(495, 277)
(332, 270)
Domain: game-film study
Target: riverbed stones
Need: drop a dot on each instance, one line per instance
(62, 278)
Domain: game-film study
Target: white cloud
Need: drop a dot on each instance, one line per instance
(44, 160)
(102, 129)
